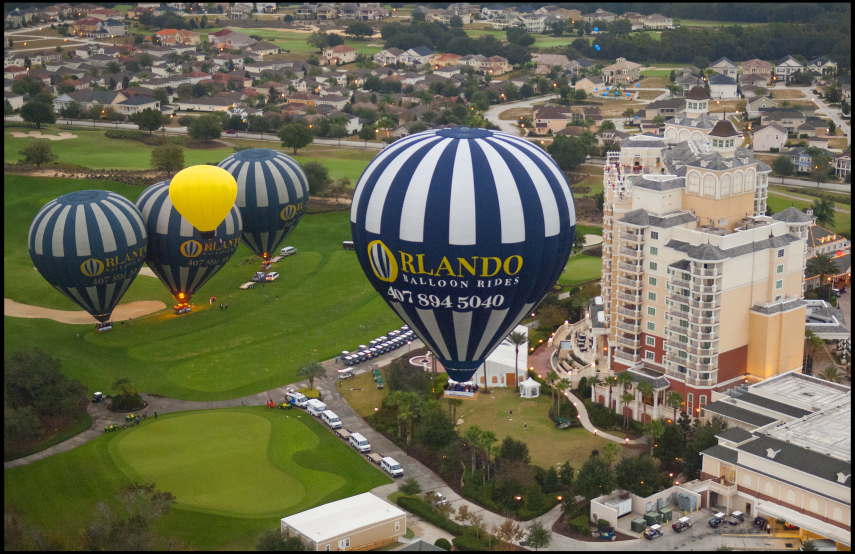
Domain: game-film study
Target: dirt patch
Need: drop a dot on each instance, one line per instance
(649, 94)
(787, 93)
(661, 81)
(615, 108)
(318, 205)
(515, 114)
(38, 134)
(122, 312)
(730, 106)
(838, 143)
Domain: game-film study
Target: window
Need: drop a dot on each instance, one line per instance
(691, 398)
(654, 235)
(651, 296)
(651, 326)
(650, 341)
(397, 526)
(682, 354)
(651, 311)
(780, 269)
(684, 308)
(651, 281)
(779, 284)
(683, 338)
(781, 253)
(687, 277)
(703, 399)
(684, 323)
(648, 355)
(654, 266)
(654, 251)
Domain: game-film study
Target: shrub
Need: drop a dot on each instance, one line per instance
(471, 543)
(580, 524)
(442, 543)
(126, 403)
(420, 508)
(310, 393)
(773, 150)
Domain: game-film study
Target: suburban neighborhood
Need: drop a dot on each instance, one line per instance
(681, 384)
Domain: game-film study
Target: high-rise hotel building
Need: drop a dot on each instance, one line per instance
(701, 290)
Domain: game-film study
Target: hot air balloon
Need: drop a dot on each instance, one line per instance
(272, 195)
(462, 231)
(178, 254)
(90, 246)
(203, 195)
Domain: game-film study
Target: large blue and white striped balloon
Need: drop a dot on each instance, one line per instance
(462, 231)
(177, 252)
(272, 194)
(89, 245)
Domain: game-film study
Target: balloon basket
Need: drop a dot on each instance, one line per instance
(460, 395)
(101, 327)
(181, 309)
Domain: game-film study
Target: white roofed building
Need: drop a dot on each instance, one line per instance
(500, 364)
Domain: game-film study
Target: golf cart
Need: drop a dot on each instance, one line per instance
(380, 383)
(97, 397)
(110, 428)
(717, 520)
(681, 524)
(735, 518)
(345, 373)
(563, 423)
(653, 531)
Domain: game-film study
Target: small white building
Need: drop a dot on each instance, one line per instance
(361, 522)
(529, 388)
(500, 364)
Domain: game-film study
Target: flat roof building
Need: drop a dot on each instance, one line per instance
(361, 522)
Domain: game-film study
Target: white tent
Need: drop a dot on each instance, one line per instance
(529, 388)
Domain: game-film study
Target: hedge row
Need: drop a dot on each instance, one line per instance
(471, 543)
(429, 514)
(145, 138)
(819, 194)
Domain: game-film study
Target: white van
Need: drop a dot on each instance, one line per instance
(296, 398)
(391, 467)
(288, 251)
(315, 407)
(359, 442)
(332, 420)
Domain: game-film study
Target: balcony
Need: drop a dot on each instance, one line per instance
(709, 289)
(677, 360)
(634, 344)
(632, 268)
(631, 327)
(701, 336)
(705, 368)
(679, 298)
(632, 252)
(629, 313)
(632, 283)
(634, 298)
(679, 281)
(706, 272)
(678, 329)
(703, 320)
(675, 373)
(701, 351)
(632, 237)
(626, 356)
(702, 305)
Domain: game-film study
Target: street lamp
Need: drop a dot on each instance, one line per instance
(375, 415)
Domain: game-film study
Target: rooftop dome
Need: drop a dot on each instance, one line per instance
(698, 93)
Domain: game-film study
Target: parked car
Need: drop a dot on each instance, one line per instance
(738, 515)
(759, 521)
(681, 524)
(288, 251)
(229, 131)
(652, 532)
(717, 521)
(259, 276)
(272, 276)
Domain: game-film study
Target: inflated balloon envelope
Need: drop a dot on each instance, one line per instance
(203, 195)
(89, 245)
(462, 231)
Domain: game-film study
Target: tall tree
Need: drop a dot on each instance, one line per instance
(148, 120)
(595, 478)
(823, 211)
(516, 339)
(822, 265)
(637, 474)
(38, 113)
(626, 398)
(471, 436)
(205, 128)
(485, 443)
(645, 389)
(142, 505)
(610, 452)
(311, 370)
(654, 430)
(674, 399)
(551, 378)
(538, 535)
(296, 135)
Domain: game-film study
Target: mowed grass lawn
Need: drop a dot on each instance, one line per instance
(580, 269)
(362, 393)
(325, 305)
(548, 446)
(842, 221)
(234, 473)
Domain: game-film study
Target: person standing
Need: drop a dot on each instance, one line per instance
(525, 427)
(155, 415)
(221, 305)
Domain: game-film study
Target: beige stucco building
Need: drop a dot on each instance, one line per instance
(786, 455)
(701, 290)
(361, 522)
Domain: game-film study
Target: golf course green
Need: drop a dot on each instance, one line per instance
(234, 473)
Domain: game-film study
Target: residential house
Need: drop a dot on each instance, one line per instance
(610, 136)
(724, 66)
(170, 37)
(442, 60)
(238, 12)
(12, 71)
(494, 65)
(600, 15)
(802, 160)
(306, 11)
(371, 13)
(722, 87)
(136, 12)
(339, 55)
(821, 64)
(348, 11)
(137, 104)
(505, 21)
(687, 81)
(462, 8)
(823, 241)
(326, 11)
(843, 164)
(550, 60)
(336, 100)
(569, 15)
(417, 56)
(389, 56)
(636, 19)
(165, 9)
(111, 28)
(786, 67)
(575, 67)
(490, 12)
(103, 14)
(622, 71)
(551, 119)
(769, 137)
(657, 21)
(206, 104)
(757, 67)
(303, 98)
(533, 23)
(87, 98)
(753, 107)
(667, 108)
(238, 40)
(85, 26)
(591, 84)
(788, 118)
(758, 81)
(262, 48)
(15, 100)
(444, 16)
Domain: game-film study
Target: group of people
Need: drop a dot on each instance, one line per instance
(99, 326)
(460, 387)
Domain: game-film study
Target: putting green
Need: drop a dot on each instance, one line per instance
(234, 473)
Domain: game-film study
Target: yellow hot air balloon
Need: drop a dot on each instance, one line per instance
(203, 195)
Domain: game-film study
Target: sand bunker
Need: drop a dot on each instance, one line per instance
(38, 134)
(122, 312)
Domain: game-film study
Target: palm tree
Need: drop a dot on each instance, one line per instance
(311, 370)
(408, 413)
(611, 381)
(562, 386)
(396, 399)
(453, 403)
(831, 374)
(821, 265)
(674, 399)
(813, 344)
(472, 435)
(551, 377)
(516, 339)
(646, 389)
(485, 443)
(655, 429)
(624, 379)
(627, 398)
(593, 382)
(610, 452)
